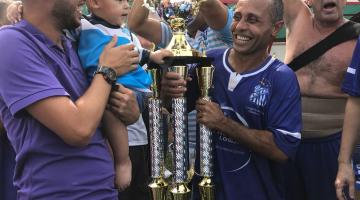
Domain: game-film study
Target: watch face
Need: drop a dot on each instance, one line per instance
(112, 74)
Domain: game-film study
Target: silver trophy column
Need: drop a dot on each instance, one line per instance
(180, 191)
(158, 185)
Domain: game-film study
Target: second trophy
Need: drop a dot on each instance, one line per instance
(206, 186)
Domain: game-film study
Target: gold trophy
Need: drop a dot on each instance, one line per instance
(158, 185)
(183, 56)
(206, 186)
(182, 53)
(178, 44)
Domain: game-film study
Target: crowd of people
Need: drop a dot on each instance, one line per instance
(73, 90)
(169, 10)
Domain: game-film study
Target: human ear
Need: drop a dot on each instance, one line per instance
(277, 27)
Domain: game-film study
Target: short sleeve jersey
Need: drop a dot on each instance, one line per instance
(351, 84)
(267, 98)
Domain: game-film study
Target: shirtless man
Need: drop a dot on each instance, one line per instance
(323, 102)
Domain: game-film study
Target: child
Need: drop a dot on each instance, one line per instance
(106, 19)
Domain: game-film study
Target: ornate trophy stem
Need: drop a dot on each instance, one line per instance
(207, 188)
(180, 191)
(158, 186)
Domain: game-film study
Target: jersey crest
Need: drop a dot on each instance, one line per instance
(260, 94)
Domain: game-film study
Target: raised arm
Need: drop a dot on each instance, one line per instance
(215, 13)
(294, 12)
(140, 23)
(196, 24)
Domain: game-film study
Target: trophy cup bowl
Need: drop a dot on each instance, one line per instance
(205, 79)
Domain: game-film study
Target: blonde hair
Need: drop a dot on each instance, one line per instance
(3, 6)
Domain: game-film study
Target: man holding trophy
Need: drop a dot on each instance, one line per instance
(256, 110)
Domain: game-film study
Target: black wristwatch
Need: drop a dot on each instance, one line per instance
(108, 73)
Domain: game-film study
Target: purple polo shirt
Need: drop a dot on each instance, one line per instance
(33, 68)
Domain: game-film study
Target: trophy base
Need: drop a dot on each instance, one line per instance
(180, 192)
(158, 189)
(207, 189)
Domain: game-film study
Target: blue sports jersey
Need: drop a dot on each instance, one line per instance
(94, 36)
(351, 84)
(267, 98)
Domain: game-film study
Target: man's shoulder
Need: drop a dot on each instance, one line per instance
(281, 66)
(12, 36)
(11, 32)
(281, 70)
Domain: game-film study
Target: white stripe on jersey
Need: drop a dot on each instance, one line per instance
(268, 64)
(351, 70)
(237, 114)
(295, 135)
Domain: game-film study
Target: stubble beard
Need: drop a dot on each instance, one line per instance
(64, 15)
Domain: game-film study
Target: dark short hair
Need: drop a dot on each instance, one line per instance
(277, 10)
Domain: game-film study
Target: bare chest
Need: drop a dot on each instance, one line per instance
(326, 73)
(332, 64)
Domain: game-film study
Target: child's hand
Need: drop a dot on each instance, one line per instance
(14, 12)
(159, 55)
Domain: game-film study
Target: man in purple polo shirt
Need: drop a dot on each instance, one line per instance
(50, 111)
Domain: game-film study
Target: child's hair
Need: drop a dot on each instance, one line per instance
(3, 6)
